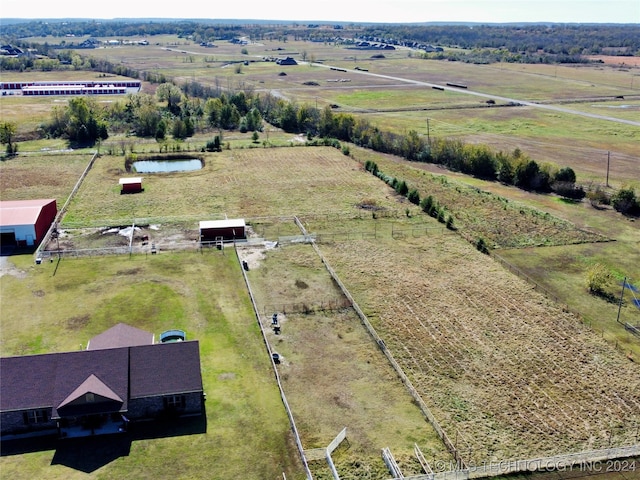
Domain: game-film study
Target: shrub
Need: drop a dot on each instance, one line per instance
(402, 188)
(450, 225)
(597, 279)
(597, 196)
(214, 145)
(413, 196)
(569, 190)
(426, 204)
(434, 210)
(481, 245)
(625, 201)
(565, 174)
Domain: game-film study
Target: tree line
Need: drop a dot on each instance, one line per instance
(566, 41)
(171, 111)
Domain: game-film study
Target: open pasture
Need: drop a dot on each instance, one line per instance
(333, 374)
(251, 183)
(508, 370)
(43, 176)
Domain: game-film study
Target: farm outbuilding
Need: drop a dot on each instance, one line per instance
(131, 185)
(229, 229)
(24, 223)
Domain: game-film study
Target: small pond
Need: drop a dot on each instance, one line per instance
(164, 166)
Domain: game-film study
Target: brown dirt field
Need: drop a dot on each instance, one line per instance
(617, 60)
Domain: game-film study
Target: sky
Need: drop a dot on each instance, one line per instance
(378, 11)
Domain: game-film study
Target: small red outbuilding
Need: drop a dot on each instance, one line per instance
(131, 185)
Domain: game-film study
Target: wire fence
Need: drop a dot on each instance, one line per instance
(327, 305)
(622, 460)
(292, 422)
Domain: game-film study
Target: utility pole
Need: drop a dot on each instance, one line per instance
(624, 284)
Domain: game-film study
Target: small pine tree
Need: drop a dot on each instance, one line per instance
(413, 196)
(450, 223)
(481, 245)
(426, 204)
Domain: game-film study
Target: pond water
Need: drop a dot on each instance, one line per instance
(164, 166)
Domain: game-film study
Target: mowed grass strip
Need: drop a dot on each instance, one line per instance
(59, 307)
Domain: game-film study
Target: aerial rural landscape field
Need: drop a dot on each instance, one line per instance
(383, 298)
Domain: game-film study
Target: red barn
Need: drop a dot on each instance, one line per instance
(131, 185)
(24, 223)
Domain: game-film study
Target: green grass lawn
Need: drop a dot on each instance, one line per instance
(58, 307)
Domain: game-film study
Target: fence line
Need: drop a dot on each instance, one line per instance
(547, 293)
(63, 210)
(380, 342)
(306, 308)
(609, 460)
(513, 269)
(292, 422)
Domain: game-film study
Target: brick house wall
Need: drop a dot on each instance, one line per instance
(150, 407)
(14, 423)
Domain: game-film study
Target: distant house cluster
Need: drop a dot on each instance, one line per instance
(95, 43)
(280, 60)
(122, 376)
(374, 46)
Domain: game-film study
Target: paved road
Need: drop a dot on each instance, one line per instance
(489, 96)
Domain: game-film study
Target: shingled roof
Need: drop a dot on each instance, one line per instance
(98, 381)
(120, 335)
(165, 367)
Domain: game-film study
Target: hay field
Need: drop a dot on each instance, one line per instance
(510, 371)
(333, 374)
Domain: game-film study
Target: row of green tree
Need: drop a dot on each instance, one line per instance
(168, 112)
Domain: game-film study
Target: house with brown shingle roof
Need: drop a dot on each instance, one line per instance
(101, 389)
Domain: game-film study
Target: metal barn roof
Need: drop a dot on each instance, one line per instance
(228, 223)
(128, 181)
(21, 212)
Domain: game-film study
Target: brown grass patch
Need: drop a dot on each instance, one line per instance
(513, 373)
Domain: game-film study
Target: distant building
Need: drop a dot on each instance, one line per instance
(24, 223)
(230, 229)
(286, 61)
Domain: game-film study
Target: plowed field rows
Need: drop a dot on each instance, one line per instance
(506, 371)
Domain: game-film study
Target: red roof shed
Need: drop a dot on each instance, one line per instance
(131, 185)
